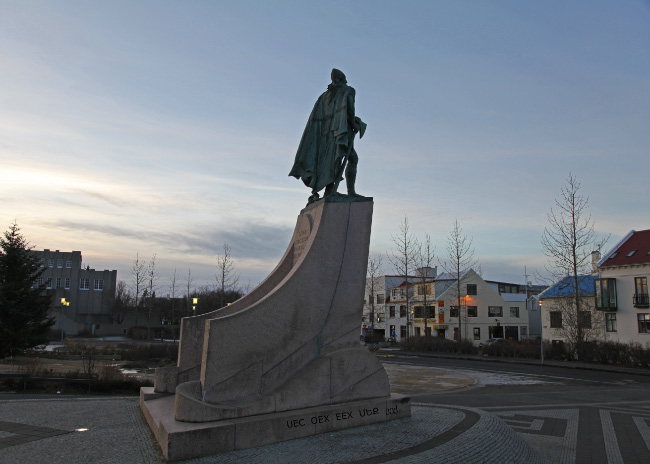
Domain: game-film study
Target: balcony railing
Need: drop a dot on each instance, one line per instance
(641, 300)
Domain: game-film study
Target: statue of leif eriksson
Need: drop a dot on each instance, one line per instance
(327, 144)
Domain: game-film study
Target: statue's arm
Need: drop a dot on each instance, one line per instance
(354, 121)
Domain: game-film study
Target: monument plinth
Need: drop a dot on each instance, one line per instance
(284, 361)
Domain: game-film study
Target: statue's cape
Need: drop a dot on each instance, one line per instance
(326, 140)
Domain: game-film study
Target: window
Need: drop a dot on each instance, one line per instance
(402, 311)
(556, 319)
(631, 253)
(418, 311)
(40, 281)
(417, 332)
(472, 311)
(402, 331)
(48, 282)
(453, 311)
(477, 333)
(59, 263)
(68, 264)
(424, 289)
(99, 284)
(641, 292)
(380, 298)
(605, 290)
(495, 311)
(523, 330)
(41, 262)
(50, 263)
(58, 282)
(471, 289)
(67, 283)
(392, 331)
(585, 320)
(84, 284)
(644, 322)
(610, 322)
(514, 311)
(391, 311)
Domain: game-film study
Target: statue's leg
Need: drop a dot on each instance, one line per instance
(351, 173)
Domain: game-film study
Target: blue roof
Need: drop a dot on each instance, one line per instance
(565, 287)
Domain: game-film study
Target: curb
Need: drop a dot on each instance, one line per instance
(562, 364)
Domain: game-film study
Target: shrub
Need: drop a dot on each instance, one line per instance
(437, 345)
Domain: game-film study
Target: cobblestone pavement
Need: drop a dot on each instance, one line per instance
(117, 433)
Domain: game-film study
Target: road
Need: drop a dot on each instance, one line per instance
(569, 415)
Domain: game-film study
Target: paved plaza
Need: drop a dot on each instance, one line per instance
(445, 426)
(112, 430)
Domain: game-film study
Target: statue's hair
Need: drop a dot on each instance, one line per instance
(338, 77)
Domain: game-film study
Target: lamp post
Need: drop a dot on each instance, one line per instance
(64, 303)
(541, 332)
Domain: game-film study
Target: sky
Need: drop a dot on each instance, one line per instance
(169, 128)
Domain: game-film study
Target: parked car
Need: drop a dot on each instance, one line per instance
(492, 341)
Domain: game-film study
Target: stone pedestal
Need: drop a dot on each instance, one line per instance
(290, 345)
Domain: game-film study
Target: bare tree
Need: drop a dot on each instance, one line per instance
(460, 258)
(227, 280)
(122, 302)
(137, 282)
(424, 259)
(374, 274)
(403, 260)
(173, 286)
(152, 280)
(568, 242)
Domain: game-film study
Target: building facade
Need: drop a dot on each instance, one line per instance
(488, 309)
(88, 294)
(560, 318)
(621, 291)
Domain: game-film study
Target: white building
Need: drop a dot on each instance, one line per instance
(488, 308)
(622, 289)
(559, 317)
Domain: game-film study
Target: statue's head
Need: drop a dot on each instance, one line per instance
(338, 77)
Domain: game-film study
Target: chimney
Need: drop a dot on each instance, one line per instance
(595, 257)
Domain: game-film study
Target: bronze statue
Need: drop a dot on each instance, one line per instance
(327, 144)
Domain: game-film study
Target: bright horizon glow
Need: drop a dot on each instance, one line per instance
(169, 128)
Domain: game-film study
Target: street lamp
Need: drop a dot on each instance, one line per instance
(64, 303)
(195, 301)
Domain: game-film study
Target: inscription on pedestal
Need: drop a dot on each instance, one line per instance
(343, 416)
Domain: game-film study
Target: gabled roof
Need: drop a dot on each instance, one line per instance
(565, 287)
(452, 276)
(634, 248)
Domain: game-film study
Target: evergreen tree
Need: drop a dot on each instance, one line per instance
(23, 305)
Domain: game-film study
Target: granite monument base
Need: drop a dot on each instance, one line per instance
(185, 440)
